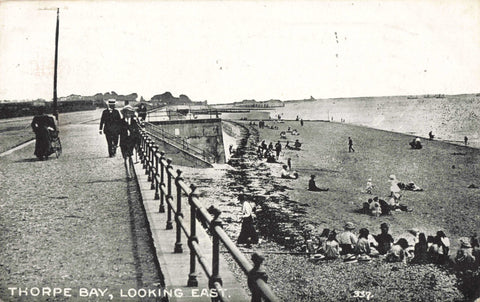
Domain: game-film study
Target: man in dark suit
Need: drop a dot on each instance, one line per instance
(110, 124)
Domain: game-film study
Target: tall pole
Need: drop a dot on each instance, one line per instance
(55, 111)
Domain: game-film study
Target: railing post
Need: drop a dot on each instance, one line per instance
(154, 166)
(215, 249)
(147, 154)
(178, 244)
(155, 177)
(192, 277)
(161, 208)
(169, 195)
(149, 159)
(256, 273)
(144, 151)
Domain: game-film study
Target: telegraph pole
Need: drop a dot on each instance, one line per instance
(55, 110)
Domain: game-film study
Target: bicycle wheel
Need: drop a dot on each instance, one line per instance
(58, 147)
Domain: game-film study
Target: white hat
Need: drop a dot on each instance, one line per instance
(128, 107)
(392, 176)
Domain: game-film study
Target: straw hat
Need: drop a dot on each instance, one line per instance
(349, 226)
(350, 258)
(465, 243)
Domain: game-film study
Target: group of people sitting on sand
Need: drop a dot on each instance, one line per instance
(351, 247)
(376, 206)
(296, 145)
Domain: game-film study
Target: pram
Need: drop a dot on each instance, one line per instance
(55, 144)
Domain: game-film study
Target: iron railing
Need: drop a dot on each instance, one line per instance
(169, 189)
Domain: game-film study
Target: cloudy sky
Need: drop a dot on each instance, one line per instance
(225, 51)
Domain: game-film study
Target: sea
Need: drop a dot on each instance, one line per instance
(450, 118)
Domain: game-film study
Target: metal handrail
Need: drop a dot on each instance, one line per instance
(163, 180)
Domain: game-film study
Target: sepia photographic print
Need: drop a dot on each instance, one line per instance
(239, 150)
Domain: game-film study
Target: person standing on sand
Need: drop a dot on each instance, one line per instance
(278, 148)
(248, 234)
(465, 139)
(350, 145)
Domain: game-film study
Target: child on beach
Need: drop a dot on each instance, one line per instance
(369, 187)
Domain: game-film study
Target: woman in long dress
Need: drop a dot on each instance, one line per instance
(42, 124)
(248, 234)
(128, 137)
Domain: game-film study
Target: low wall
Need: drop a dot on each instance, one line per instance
(205, 134)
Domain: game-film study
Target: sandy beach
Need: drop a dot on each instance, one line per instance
(443, 170)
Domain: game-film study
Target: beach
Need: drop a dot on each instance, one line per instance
(443, 170)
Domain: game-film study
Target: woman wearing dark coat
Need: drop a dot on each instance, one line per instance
(42, 124)
(129, 136)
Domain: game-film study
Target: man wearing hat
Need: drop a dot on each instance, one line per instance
(465, 258)
(347, 240)
(110, 125)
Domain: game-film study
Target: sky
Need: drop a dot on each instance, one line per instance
(226, 51)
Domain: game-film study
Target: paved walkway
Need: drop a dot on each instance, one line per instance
(177, 272)
(76, 224)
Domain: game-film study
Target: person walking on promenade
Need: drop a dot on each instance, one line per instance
(109, 123)
(248, 234)
(350, 145)
(129, 136)
(142, 112)
(42, 125)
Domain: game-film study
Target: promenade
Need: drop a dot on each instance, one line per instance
(75, 229)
